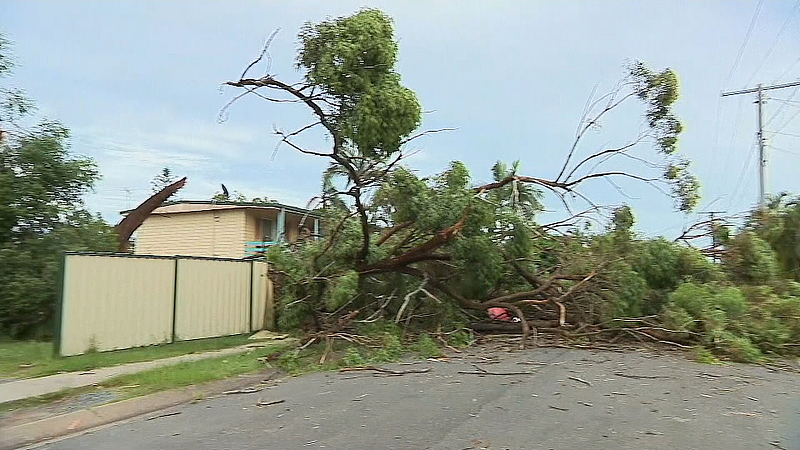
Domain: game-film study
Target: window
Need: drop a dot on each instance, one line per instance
(269, 230)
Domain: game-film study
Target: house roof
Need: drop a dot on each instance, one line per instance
(184, 206)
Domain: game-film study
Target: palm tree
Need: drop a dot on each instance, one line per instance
(522, 198)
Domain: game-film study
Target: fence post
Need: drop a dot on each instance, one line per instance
(59, 305)
(250, 313)
(174, 299)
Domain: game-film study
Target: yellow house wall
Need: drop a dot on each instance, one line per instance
(218, 233)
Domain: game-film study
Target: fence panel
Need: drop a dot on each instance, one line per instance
(111, 302)
(212, 298)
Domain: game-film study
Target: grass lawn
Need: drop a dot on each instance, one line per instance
(195, 372)
(15, 355)
(163, 378)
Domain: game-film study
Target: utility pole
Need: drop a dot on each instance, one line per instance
(762, 154)
(712, 222)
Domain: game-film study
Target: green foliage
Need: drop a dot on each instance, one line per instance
(628, 300)
(427, 347)
(779, 225)
(391, 351)
(459, 339)
(380, 328)
(354, 358)
(750, 259)
(162, 180)
(737, 348)
(704, 301)
(39, 183)
(521, 199)
(30, 268)
(341, 291)
(657, 262)
(41, 212)
(352, 59)
(705, 356)
(659, 91)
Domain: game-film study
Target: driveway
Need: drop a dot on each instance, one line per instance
(562, 399)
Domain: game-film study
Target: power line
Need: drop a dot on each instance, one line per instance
(734, 135)
(762, 152)
(794, 64)
(791, 152)
(741, 175)
(787, 101)
(783, 133)
(775, 42)
(785, 124)
(780, 108)
(744, 43)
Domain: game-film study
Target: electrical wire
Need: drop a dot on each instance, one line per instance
(783, 133)
(780, 108)
(741, 176)
(775, 42)
(794, 64)
(744, 43)
(785, 124)
(791, 152)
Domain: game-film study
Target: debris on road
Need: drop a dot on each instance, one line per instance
(250, 390)
(639, 377)
(174, 413)
(580, 380)
(360, 397)
(482, 371)
(269, 403)
(385, 372)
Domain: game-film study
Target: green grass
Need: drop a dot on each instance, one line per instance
(194, 372)
(14, 354)
(164, 378)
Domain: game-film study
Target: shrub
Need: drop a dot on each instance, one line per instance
(354, 358)
(459, 339)
(750, 260)
(737, 348)
(427, 347)
(391, 351)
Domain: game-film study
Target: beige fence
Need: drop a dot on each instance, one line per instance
(114, 301)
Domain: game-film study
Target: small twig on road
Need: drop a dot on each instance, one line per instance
(581, 380)
(557, 408)
(482, 371)
(175, 413)
(270, 403)
(388, 372)
(250, 390)
(639, 377)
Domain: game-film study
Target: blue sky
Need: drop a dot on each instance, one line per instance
(138, 83)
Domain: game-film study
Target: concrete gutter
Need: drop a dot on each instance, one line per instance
(79, 422)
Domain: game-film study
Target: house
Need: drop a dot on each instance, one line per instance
(222, 229)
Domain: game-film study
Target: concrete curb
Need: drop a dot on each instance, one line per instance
(87, 419)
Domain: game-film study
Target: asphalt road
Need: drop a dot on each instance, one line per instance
(566, 400)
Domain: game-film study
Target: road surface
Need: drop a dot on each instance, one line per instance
(564, 399)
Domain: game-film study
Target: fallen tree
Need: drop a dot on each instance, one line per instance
(433, 249)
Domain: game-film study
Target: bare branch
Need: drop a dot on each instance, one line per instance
(605, 152)
(610, 106)
(424, 133)
(263, 52)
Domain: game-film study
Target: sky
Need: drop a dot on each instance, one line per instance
(139, 84)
